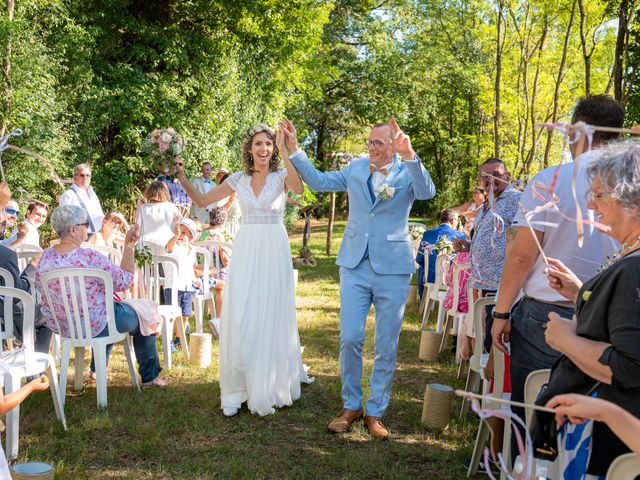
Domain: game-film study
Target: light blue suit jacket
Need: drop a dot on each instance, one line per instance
(381, 225)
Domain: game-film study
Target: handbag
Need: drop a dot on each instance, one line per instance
(565, 377)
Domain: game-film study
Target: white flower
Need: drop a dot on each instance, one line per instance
(165, 137)
(385, 192)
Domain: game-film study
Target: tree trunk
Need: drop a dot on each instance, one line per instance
(6, 73)
(621, 46)
(556, 93)
(496, 113)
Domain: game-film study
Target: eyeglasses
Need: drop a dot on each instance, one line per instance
(85, 224)
(375, 144)
(12, 211)
(87, 175)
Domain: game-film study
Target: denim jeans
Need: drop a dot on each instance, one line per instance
(145, 347)
(529, 349)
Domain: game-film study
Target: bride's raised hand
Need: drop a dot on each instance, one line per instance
(280, 142)
(290, 134)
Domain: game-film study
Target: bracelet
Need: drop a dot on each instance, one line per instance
(499, 315)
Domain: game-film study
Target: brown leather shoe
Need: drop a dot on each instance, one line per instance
(376, 427)
(342, 423)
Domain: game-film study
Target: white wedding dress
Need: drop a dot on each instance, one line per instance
(259, 355)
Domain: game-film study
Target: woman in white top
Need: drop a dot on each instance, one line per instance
(158, 216)
(111, 226)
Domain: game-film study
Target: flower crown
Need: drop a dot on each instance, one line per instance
(260, 127)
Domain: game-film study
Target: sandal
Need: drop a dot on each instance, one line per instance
(159, 382)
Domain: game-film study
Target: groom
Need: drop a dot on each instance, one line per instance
(375, 258)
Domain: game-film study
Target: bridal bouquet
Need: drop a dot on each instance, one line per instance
(444, 245)
(163, 145)
(416, 232)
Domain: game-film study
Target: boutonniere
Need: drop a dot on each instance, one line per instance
(385, 192)
(585, 295)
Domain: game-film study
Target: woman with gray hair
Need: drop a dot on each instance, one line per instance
(601, 344)
(71, 224)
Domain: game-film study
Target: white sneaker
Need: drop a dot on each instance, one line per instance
(229, 411)
(214, 326)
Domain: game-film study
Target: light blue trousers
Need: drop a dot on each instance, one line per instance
(359, 288)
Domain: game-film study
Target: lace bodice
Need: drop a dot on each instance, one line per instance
(268, 207)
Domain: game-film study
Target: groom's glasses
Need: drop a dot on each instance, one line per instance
(375, 144)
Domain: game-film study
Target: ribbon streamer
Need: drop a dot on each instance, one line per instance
(4, 144)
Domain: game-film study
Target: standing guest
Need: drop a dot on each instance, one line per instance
(522, 324)
(448, 221)
(222, 173)
(381, 188)
(112, 224)
(10, 216)
(72, 224)
(81, 193)
(600, 346)
(158, 217)
(203, 184)
(491, 228)
(177, 193)
(470, 210)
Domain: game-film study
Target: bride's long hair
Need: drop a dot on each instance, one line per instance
(247, 158)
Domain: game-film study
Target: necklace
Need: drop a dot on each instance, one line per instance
(615, 256)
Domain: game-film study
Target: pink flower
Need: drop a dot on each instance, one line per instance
(171, 131)
(391, 191)
(165, 137)
(163, 146)
(155, 133)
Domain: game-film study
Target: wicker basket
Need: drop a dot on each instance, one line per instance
(436, 410)
(429, 345)
(32, 471)
(200, 347)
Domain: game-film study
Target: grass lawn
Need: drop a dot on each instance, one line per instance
(180, 432)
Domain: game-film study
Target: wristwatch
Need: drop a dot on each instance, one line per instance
(500, 316)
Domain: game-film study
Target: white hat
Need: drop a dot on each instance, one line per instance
(191, 225)
(223, 170)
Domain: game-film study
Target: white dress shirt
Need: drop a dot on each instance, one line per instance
(202, 185)
(90, 200)
(31, 238)
(378, 178)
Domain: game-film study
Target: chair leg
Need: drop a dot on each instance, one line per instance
(481, 440)
(56, 349)
(198, 311)
(445, 332)
(506, 447)
(65, 359)
(442, 314)
(100, 355)
(461, 369)
(468, 387)
(129, 353)
(12, 384)
(167, 330)
(56, 394)
(183, 338)
(423, 300)
(79, 368)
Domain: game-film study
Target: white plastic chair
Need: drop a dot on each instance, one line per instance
(26, 362)
(452, 317)
(72, 283)
(214, 246)
(7, 278)
(25, 254)
(111, 253)
(199, 300)
(437, 294)
(150, 285)
(478, 359)
(625, 467)
(428, 286)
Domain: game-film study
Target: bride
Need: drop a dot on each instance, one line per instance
(259, 355)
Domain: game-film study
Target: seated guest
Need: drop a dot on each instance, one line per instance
(24, 281)
(158, 217)
(26, 233)
(10, 215)
(469, 210)
(111, 225)
(71, 224)
(448, 220)
(600, 346)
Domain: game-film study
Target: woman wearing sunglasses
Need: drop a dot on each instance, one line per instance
(112, 224)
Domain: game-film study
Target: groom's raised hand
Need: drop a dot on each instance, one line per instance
(290, 134)
(401, 142)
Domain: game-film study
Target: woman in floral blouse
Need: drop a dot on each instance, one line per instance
(71, 224)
